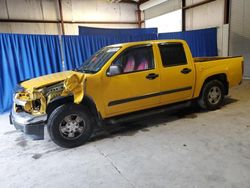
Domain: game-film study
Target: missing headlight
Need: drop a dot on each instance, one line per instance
(36, 104)
(19, 108)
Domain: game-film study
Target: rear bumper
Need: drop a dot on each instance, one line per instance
(31, 125)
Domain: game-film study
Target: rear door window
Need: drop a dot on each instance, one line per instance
(172, 54)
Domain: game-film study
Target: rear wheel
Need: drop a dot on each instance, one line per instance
(70, 125)
(212, 95)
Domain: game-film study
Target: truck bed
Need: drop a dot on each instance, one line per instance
(231, 67)
(203, 59)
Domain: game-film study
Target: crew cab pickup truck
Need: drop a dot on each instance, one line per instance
(120, 83)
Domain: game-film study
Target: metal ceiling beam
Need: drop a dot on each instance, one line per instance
(139, 15)
(139, 2)
(142, 1)
(197, 4)
(61, 16)
(128, 1)
(183, 16)
(226, 11)
(66, 21)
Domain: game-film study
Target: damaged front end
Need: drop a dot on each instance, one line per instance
(30, 104)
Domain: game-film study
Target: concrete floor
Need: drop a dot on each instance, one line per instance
(186, 149)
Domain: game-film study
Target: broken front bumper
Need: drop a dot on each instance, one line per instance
(31, 125)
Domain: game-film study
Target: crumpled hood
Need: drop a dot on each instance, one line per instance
(50, 79)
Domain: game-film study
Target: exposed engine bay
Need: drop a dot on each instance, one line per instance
(35, 100)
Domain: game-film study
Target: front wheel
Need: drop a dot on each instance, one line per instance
(212, 95)
(70, 125)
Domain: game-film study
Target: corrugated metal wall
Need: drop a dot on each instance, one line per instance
(73, 10)
(239, 43)
(162, 8)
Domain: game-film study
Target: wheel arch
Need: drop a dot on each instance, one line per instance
(222, 77)
(58, 101)
(86, 101)
(90, 103)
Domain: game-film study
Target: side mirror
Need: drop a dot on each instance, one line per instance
(114, 70)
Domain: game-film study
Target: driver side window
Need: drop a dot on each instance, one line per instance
(135, 59)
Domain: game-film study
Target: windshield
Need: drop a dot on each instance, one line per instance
(98, 60)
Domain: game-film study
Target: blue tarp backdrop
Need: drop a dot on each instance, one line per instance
(78, 48)
(122, 32)
(23, 57)
(202, 42)
(27, 56)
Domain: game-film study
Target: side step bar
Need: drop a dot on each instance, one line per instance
(144, 113)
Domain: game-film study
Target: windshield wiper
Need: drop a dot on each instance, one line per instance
(84, 70)
(88, 71)
(77, 70)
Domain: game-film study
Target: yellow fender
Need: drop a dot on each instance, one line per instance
(74, 85)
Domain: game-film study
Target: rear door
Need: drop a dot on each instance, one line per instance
(177, 72)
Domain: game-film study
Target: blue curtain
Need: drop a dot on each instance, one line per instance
(27, 56)
(105, 31)
(201, 42)
(23, 57)
(76, 49)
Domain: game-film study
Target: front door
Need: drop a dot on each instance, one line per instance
(134, 87)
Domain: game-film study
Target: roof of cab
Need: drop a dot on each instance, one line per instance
(127, 44)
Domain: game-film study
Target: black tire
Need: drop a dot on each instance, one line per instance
(205, 100)
(57, 125)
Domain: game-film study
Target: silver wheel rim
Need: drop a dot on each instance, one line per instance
(72, 127)
(214, 95)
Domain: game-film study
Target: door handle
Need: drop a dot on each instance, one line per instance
(186, 71)
(152, 76)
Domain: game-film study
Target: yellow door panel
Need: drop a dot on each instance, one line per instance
(178, 85)
(177, 73)
(135, 86)
(130, 92)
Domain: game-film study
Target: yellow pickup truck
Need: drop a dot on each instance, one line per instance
(120, 83)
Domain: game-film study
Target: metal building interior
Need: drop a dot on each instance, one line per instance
(199, 145)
